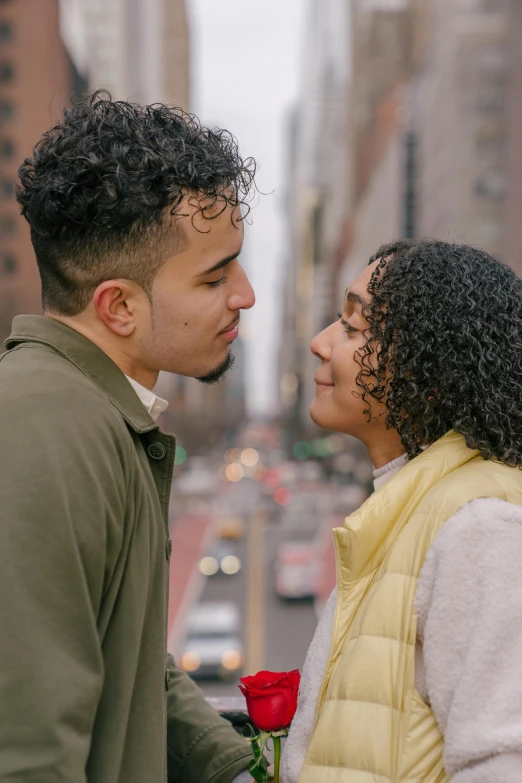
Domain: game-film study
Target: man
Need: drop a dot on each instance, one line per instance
(136, 222)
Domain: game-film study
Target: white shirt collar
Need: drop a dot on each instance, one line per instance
(153, 404)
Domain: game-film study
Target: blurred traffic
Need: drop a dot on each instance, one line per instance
(262, 567)
(213, 645)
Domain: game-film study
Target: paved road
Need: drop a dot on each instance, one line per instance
(276, 633)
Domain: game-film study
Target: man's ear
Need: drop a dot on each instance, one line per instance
(113, 301)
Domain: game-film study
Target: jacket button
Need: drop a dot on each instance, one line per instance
(168, 548)
(157, 451)
(167, 679)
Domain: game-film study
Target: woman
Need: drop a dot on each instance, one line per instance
(415, 671)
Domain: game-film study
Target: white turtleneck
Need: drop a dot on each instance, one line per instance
(382, 475)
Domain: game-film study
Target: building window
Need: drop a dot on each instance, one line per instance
(6, 32)
(490, 6)
(7, 226)
(6, 148)
(492, 64)
(6, 72)
(7, 264)
(6, 188)
(6, 111)
(492, 102)
(490, 186)
(410, 185)
(490, 138)
(80, 82)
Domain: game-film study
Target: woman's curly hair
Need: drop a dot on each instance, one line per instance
(444, 347)
(101, 182)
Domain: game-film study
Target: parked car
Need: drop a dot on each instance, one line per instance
(295, 570)
(213, 648)
(223, 558)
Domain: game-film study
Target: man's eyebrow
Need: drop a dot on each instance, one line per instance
(219, 265)
(354, 298)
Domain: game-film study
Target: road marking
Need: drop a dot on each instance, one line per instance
(255, 604)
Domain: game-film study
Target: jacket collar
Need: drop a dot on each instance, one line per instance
(88, 358)
(369, 532)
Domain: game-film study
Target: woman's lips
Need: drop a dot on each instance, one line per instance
(321, 382)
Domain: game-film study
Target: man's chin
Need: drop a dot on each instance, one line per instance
(219, 371)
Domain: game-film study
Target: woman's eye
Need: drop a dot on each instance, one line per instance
(215, 284)
(350, 329)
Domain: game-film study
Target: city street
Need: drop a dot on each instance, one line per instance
(261, 305)
(287, 628)
(276, 633)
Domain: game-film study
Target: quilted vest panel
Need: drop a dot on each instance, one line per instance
(372, 726)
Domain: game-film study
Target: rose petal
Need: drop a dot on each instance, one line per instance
(271, 698)
(268, 713)
(264, 682)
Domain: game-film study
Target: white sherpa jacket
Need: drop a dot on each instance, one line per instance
(469, 647)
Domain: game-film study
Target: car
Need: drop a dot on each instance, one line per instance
(213, 648)
(198, 479)
(231, 528)
(222, 558)
(295, 570)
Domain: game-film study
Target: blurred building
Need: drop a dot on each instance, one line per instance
(513, 154)
(35, 83)
(317, 200)
(382, 206)
(437, 111)
(107, 44)
(136, 49)
(347, 192)
(462, 113)
(425, 140)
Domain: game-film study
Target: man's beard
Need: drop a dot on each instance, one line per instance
(219, 372)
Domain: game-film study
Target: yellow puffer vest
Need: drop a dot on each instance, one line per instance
(372, 725)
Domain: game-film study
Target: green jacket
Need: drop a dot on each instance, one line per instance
(84, 491)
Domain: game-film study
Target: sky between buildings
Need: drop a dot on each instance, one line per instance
(247, 58)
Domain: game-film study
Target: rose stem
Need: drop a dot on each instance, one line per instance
(277, 757)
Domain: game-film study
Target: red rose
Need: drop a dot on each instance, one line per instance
(271, 698)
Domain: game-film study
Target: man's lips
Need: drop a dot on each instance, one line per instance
(231, 327)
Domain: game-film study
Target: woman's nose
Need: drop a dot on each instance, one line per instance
(321, 345)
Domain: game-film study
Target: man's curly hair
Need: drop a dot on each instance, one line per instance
(99, 188)
(444, 347)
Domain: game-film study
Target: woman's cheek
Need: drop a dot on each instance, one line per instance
(345, 367)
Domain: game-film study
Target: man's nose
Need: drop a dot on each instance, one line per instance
(243, 297)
